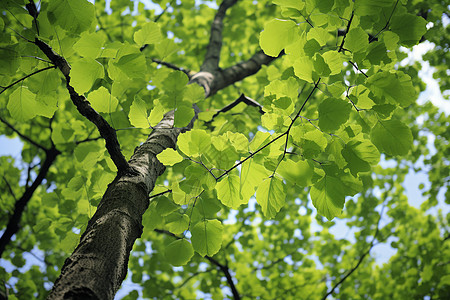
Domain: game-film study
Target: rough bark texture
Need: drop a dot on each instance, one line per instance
(105, 246)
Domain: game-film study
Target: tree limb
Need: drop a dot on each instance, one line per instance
(26, 138)
(225, 270)
(212, 57)
(19, 207)
(106, 131)
(242, 98)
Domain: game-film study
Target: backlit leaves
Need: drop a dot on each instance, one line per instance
(276, 36)
(179, 252)
(392, 137)
(207, 237)
(270, 195)
(74, 16)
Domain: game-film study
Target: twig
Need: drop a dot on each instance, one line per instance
(172, 66)
(25, 77)
(371, 245)
(226, 271)
(242, 98)
(26, 138)
(160, 194)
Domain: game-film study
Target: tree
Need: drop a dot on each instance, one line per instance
(207, 177)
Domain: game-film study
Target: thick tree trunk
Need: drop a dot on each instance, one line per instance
(97, 267)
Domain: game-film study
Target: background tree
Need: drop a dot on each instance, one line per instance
(255, 143)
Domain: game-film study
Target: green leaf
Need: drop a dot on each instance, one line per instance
(303, 69)
(148, 34)
(276, 36)
(228, 191)
(299, 173)
(22, 104)
(270, 195)
(138, 114)
(410, 28)
(74, 16)
(360, 153)
(356, 40)
(102, 101)
(132, 65)
(169, 157)
(164, 206)
(193, 93)
(207, 237)
(83, 74)
(290, 3)
(370, 7)
(90, 44)
(183, 115)
(252, 174)
(394, 87)
(166, 48)
(194, 142)
(177, 223)
(328, 196)
(179, 252)
(333, 113)
(392, 137)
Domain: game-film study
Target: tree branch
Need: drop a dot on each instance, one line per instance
(25, 77)
(19, 207)
(226, 271)
(242, 98)
(371, 245)
(22, 135)
(212, 57)
(172, 66)
(106, 131)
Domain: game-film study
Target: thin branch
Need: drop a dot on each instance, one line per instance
(387, 23)
(356, 67)
(226, 271)
(19, 207)
(9, 188)
(371, 245)
(26, 138)
(85, 109)
(346, 31)
(172, 66)
(242, 98)
(25, 77)
(212, 57)
(87, 140)
(160, 194)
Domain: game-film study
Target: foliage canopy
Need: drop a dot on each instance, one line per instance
(270, 117)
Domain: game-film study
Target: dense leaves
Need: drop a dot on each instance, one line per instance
(269, 168)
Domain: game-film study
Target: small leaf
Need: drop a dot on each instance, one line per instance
(333, 113)
(169, 157)
(179, 252)
(194, 142)
(276, 36)
(177, 223)
(228, 191)
(356, 40)
(90, 44)
(83, 74)
(74, 16)
(148, 34)
(410, 28)
(102, 101)
(138, 114)
(392, 137)
(270, 195)
(207, 237)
